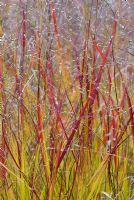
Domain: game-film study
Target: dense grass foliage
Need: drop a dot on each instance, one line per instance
(66, 100)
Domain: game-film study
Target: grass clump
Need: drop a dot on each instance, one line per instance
(66, 101)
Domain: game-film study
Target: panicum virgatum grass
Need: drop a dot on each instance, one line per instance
(66, 100)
